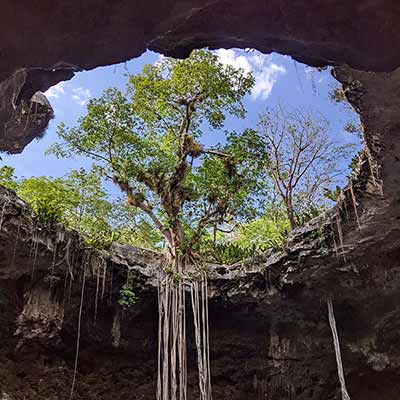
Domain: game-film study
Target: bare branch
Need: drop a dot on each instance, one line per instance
(215, 153)
(299, 146)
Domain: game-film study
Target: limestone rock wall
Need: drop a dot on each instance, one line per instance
(49, 41)
(270, 337)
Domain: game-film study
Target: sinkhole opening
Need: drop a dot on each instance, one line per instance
(214, 159)
(222, 154)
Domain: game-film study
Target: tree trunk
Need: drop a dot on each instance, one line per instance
(290, 214)
(293, 223)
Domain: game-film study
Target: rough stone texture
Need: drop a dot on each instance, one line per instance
(41, 34)
(52, 40)
(270, 337)
(24, 110)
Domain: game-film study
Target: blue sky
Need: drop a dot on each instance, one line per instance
(278, 80)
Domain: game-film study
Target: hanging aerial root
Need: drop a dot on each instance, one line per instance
(96, 299)
(340, 231)
(85, 263)
(332, 323)
(353, 199)
(172, 351)
(103, 288)
(35, 254)
(172, 381)
(200, 317)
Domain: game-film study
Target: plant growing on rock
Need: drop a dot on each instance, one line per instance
(148, 142)
(338, 95)
(48, 198)
(127, 296)
(7, 178)
(79, 201)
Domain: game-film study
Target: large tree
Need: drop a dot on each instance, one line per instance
(149, 143)
(303, 159)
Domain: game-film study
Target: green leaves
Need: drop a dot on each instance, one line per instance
(79, 201)
(127, 297)
(268, 231)
(160, 93)
(7, 178)
(48, 198)
(148, 142)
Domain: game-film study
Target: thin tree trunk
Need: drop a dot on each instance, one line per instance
(290, 214)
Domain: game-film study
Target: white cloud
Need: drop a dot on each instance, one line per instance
(55, 91)
(232, 57)
(160, 59)
(81, 96)
(265, 80)
(265, 72)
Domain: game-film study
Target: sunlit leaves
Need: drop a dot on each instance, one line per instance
(147, 141)
(47, 197)
(160, 92)
(7, 177)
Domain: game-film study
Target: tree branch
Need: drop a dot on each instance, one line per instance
(137, 200)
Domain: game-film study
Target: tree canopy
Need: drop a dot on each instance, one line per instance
(301, 159)
(232, 198)
(79, 201)
(148, 142)
(227, 201)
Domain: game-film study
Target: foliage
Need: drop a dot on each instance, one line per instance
(247, 239)
(227, 202)
(133, 228)
(48, 198)
(148, 143)
(127, 297)
(76, 200)
(309, 213)
(267, 232)
(79, 201)
(352, 127)
(7, 178)
(225, 252)
(355, 161)
(89, 209)
(332, 194)
(338, 96)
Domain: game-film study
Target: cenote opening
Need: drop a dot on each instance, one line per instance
(186, 171)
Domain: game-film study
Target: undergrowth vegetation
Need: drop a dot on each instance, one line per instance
(260, 183)
(197, 202)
